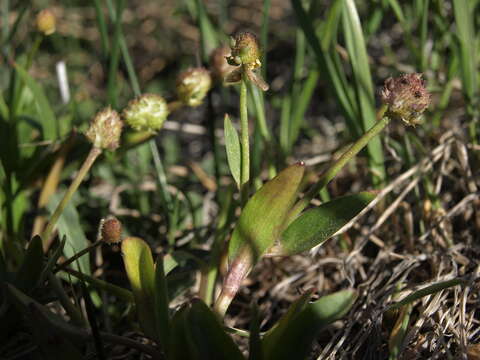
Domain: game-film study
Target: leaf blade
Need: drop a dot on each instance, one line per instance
(317, 225)
(232, 146)
(260, 221)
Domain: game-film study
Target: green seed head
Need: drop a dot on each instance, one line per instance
(46, 22)
(148, 112)
(193, 85)
(245, 50)
(105, 129)
(406, 97)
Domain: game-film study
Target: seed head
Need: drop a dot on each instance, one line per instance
(193, 85)
(406, 97)
(111, 231)
(245, 50)
(46, 22)
(219, 64)
(148, 112)
(105, 129)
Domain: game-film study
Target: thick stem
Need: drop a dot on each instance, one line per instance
(92, 156)
(339, 164)
(245, 144)
(239, 269)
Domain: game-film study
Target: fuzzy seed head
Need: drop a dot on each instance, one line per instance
(406, 97)
(219, 64)
(148, 112)
(245, 50)
(46, 22)
(105, 129)
(111, 231)
(193, 85)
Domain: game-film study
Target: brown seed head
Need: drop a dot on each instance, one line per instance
(245, 50)
(105, 129)
(193, 85)
(111, 231)
(406, 97)
(219, 64)
(46, 22)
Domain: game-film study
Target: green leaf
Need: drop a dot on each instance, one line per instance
(315, 226)
(69, 226)
(357, 51)
(261, 219)
(47, 328)
(52, 261)
(273, 335)
(397, 335)
(429, 290)
(208, 337)
(138, 261)
(294, 340)
(464, 21)
(232, 145)
(31, 268)
(45, 112)
(254, 341)
(161, 303)
(178, 346)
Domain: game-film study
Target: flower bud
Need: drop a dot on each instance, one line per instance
(46, 22)
(111, 231)
(105, 129)
(146, 113)
(193, 85)
(245, 50)
(406, 97)
(219, 64)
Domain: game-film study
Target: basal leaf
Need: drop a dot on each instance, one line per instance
(208, 337)
(315, 226)
(232, 145)
(294, 340)
(161, 303)
(262, 217)
(138, 261)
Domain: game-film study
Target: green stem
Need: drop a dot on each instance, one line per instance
(245, 144)
(340, 163)
(92, 156)
(78, 255)
(103, 285)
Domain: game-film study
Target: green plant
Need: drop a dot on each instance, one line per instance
(192, 227)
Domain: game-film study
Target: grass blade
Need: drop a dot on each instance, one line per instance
(363, 85)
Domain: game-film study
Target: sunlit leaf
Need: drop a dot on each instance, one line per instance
(315, 226)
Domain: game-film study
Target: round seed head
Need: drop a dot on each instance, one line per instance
(111, 231)
(46, 22)
(105, 129)
(245, 50)
(406, 97)
(146, 113)
(219, 64)
(193, 85)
